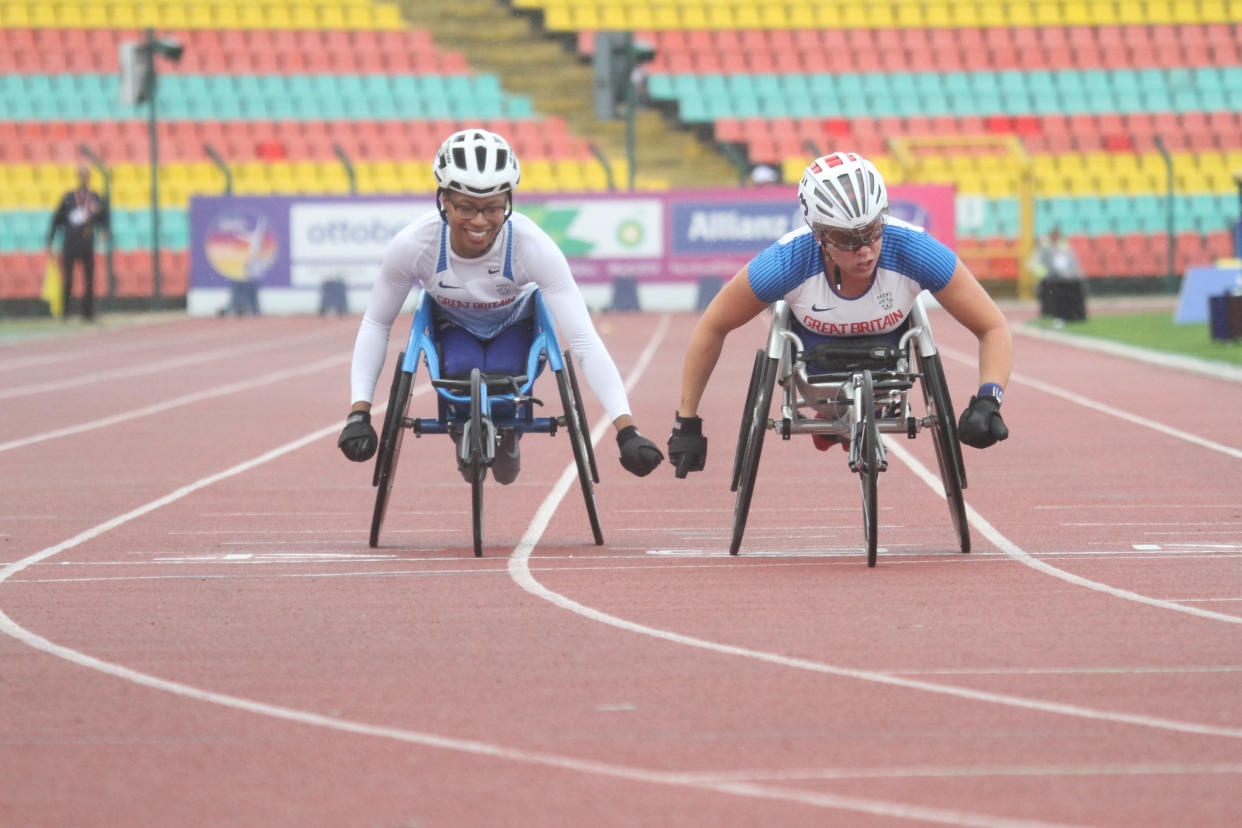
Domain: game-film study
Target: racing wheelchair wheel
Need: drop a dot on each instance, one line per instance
(948, 449)
(582, 420)
(584, 456)
(476, 454)
(867, 432)
(750, 443)
(390, 445)
(756, 374)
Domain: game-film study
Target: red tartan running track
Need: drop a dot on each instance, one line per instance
(195, 630)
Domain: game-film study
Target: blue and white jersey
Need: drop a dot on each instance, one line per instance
(793, 269)
(484, 295)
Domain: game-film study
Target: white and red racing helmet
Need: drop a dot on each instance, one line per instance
(843, 195)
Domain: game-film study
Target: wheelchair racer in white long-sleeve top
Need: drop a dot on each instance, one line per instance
(853, 271)
(481, 264)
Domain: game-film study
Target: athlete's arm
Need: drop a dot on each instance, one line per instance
(967, 302)
(734, 306)
(392, 286)
(568, 308)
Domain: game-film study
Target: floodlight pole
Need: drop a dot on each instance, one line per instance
(107, 186)
(149, 56)
(1169, 207)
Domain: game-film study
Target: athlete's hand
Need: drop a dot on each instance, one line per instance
(687, 447)
(638, 454)
(358, 440)
(981, 424)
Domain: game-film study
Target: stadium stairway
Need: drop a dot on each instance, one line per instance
(497, 38)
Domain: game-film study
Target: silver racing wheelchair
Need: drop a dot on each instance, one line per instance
(863, 393)
(478, 411)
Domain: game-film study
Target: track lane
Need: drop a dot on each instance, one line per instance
(680, 703)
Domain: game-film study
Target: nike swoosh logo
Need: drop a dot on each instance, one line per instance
(446, 286)
(492, 271)
(822, 310)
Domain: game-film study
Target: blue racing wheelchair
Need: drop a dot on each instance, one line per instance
(865, 392)
(479, 411)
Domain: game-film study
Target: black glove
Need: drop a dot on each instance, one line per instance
(981, 424)
(358, 440)
(687, 447)
(638, 454)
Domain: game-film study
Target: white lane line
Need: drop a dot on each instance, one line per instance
(520, 571)
(161, 365)
(176, 402)
(1018, 554)
(97, 350)
(1110, 410)
(11, 628)
(974, 771)
(1216, 370)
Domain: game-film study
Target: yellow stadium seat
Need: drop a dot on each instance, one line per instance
(853, 16)
(557, 19)
(994, 14)
(278, 16)
(584, 16)
(909, 16)
(1159, 11)
(41, 16)
(331, 17)
(1214, 11)
(747, 17)
(965, 14)
(720, 17)
(1046, 12)
(1129, 12)
(388, 16)
(359, 17)
(613, 16)
(936, 15)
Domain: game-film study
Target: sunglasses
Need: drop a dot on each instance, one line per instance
(850, 241)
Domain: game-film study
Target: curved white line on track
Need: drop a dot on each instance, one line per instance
(1014, 551)
(175, 402)
(1018, 554)
(8, 626)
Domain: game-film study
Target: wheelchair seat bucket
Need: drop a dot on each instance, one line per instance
(850, 355)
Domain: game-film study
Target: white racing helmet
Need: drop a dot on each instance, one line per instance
(477, 163)
(842, 191)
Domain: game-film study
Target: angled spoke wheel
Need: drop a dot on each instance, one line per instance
(582, 420)
(755, 424)
(869, 464)
(476, 453)
(584, 457)
(390, 446)
(948, 449)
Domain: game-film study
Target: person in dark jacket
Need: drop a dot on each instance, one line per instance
(81, 216)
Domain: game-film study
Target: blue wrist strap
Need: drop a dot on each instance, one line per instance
(992, 389)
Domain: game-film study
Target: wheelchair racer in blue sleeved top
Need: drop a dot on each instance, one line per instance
(852, 271)
(481, 264)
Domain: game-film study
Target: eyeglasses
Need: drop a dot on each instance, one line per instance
(469, 211)
(850, 241)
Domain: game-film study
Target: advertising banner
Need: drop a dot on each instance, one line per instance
(289, 247)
